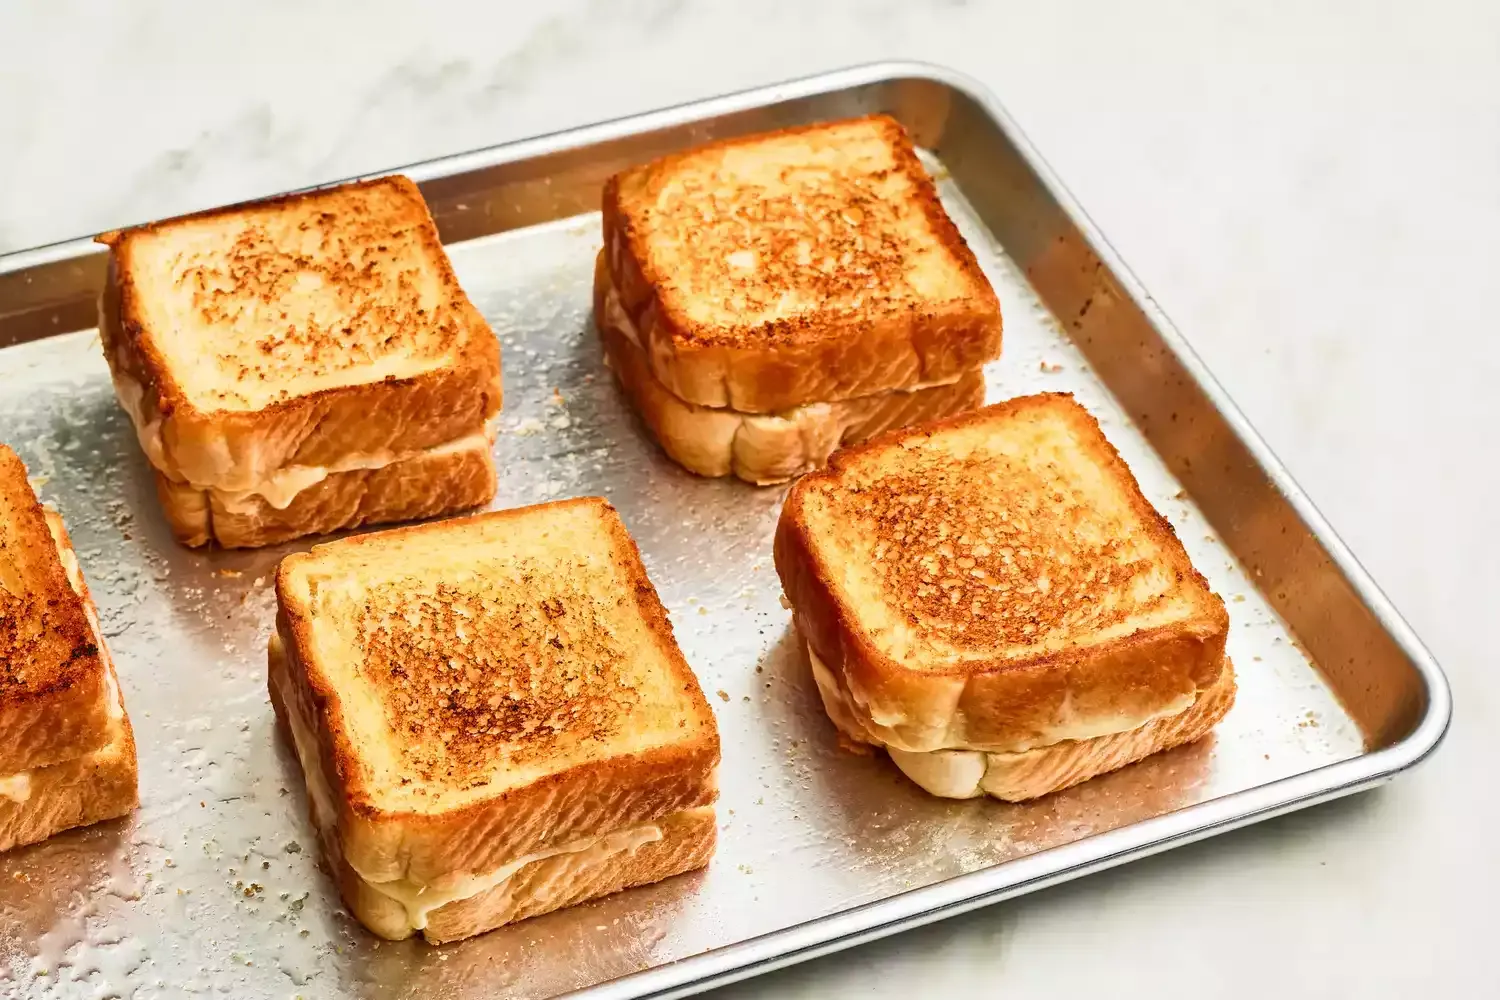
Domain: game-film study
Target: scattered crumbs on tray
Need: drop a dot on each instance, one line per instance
(1049, 368)
(528, 427)
(723, 695)
(1239, 598)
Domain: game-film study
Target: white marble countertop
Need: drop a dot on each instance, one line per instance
(1312, 191)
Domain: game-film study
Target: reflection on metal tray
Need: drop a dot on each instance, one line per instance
(214, 886)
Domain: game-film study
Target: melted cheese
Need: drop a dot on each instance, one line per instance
(147, 426)
(616, 316)
(586, 852)
(281, 486)
(959, 773)
(949, 774)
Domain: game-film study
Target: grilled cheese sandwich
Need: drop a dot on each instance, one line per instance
(799, 289)
(261, 349)
(472, 676)
(991, 599)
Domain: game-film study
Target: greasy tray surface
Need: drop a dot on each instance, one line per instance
(214, 886)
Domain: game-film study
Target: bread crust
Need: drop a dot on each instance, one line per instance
(423, 486)
(541, 887)
(81, 791)
(778, 366)
(1030, 775)
(762, 448)
(999, 704)
(232, 449)
(52, 704)
(594, 796)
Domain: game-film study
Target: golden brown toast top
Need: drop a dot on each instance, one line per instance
(467, 658)
(794, 236)
(1003, 536)
(47, 645)
(240, 308)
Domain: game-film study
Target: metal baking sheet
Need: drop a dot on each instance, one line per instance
(213, 886)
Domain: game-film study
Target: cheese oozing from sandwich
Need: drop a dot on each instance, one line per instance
(280, 486)
(959, 772)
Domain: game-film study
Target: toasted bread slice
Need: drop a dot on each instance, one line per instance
(997, 582)
(94, 786)
(52, 665)
(808, 265)
(761, 448)
(294, 332)
(444, 480)
(485, 692)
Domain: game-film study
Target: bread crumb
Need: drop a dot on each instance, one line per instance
(528, 427)
(723, 695)
(1049, 368)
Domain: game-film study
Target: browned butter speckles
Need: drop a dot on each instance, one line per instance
(244, 305)
(826, 235)
(996, 532)
(46, 644)
(469, 671)
(335, 292)
(793, 236)
(991, 552)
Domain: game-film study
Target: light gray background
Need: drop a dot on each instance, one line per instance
(1311, 190)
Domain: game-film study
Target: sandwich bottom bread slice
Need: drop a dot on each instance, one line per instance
(492, 717)
(1030, 774)
(86, 789)
(455, 477)
(992, 600)
(760, 448)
